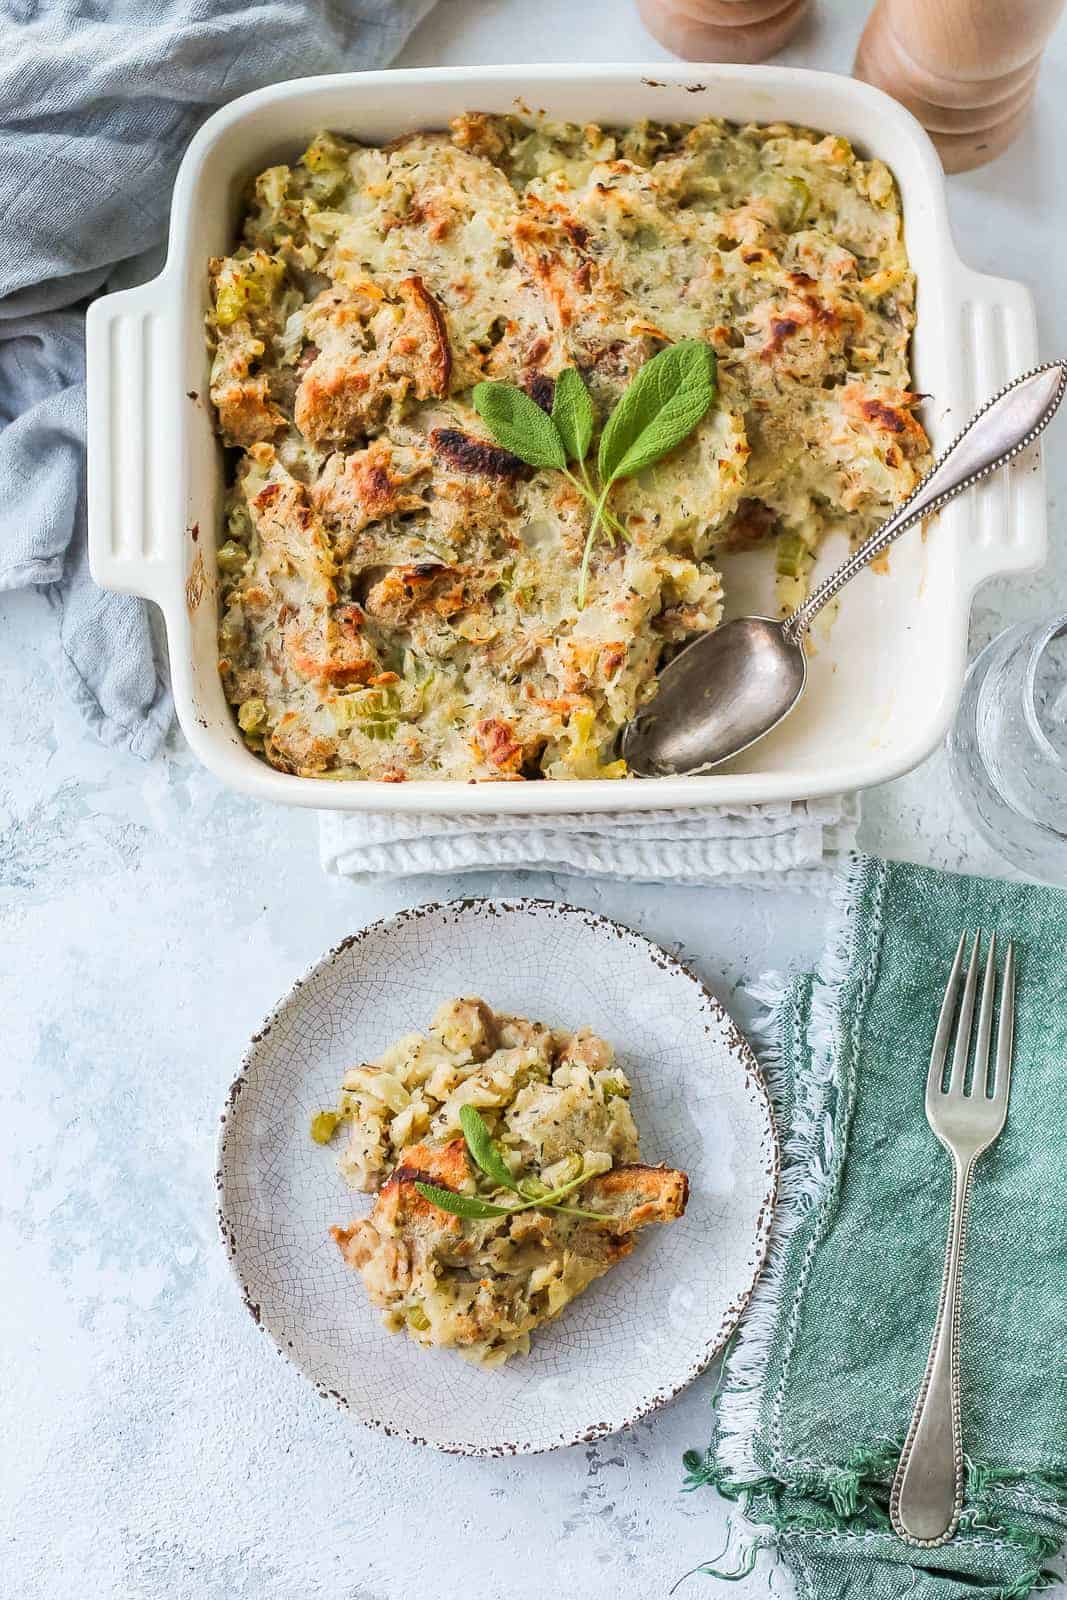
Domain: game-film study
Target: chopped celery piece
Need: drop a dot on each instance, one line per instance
(792, 557)
(231, 558)
(252, 716)
(324, 1125)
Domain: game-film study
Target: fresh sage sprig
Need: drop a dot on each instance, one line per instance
(575, 420)
(659, 408)
(487, 1157)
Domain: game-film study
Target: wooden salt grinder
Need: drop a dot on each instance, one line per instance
(966, 68)
(722, 30)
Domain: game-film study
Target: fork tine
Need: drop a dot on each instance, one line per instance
(944, 1023)
(963, 1028)
(985, 1022)
(1005, 1029)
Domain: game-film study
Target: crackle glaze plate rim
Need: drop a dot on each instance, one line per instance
(735, 1050)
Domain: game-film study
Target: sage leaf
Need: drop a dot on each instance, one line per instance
(483, 1149)
(572, 412)
(519, 424)
(460, 1205)
(660, 408)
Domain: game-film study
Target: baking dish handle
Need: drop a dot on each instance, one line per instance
(131, 381)
(133, 429)
(998, 341)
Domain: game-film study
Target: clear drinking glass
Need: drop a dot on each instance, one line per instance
(1008, 748)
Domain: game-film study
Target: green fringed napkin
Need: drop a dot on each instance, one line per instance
(818, 1389)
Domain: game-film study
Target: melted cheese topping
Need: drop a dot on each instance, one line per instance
(399, 594)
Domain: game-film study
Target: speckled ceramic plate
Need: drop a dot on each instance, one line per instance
(637, 1335)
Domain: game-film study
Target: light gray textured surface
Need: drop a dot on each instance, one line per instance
(155, 1448)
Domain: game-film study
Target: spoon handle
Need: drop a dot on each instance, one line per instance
(1000, 430)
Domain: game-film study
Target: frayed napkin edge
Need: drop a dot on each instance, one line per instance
(809, 1159)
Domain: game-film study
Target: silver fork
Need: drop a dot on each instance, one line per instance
(927, 1494)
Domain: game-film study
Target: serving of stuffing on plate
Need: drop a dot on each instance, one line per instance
(402, 597)
(508, 1177)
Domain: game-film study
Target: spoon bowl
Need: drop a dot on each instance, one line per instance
(722, 693)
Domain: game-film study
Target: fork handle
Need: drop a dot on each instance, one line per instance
(927, 1494)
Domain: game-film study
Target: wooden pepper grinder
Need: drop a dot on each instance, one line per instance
(722, 30)
(966, 68)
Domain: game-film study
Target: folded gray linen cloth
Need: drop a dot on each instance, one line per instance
(97, 104)
(788, 844)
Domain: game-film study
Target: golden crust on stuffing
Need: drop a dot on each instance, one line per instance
(405, 591)
(365, 487)
(333, 653)
(376, 348)
(401, 1207)
(295, 747)
(246, 412)
(887, 412)
(291, 536)
(635, 1195)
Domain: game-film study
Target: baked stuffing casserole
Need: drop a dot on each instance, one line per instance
(484, 1229)
(401, 595)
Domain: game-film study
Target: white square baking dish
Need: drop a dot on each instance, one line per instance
(885, 679)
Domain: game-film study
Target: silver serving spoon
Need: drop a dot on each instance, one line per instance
(730, 687)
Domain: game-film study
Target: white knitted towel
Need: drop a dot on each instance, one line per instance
(788, 844)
